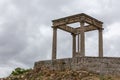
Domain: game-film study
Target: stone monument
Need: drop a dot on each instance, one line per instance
(93, 24)
(101, 65)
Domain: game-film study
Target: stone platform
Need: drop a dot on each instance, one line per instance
(103, 65)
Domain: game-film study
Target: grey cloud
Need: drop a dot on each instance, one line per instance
(26, 34)
(112, 48)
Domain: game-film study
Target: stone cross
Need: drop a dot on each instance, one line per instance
(93, 24)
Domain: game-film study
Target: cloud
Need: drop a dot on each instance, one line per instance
(26, 33)
(112, 38)
(6, 70)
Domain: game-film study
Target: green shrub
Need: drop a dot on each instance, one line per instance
(19, 71)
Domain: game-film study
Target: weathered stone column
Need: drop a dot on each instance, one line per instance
(100, 43)
(74, 45)
(54, 45)
(82, 53)
(78, 43)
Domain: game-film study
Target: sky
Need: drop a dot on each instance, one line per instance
(26, 33)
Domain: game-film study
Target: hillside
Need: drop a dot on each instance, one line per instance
(46, 74)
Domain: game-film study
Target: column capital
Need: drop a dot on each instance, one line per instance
(82, 22)
(101, 29)
(73, 34)
(54, 27)
(82, 19)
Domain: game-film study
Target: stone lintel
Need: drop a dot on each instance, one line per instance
(66, 28)
(77, 18)
(86, 28)
(76, 30)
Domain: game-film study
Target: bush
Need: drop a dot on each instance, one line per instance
(19, 71)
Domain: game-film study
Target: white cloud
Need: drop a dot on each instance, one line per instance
(113, 31)
(111, 40)
(5, 71)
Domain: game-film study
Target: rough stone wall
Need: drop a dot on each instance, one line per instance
(105, 65)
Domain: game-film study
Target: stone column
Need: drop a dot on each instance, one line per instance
(82, 53)
(100, 43)
(74, 45)
(78, 43)
(54, 45)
